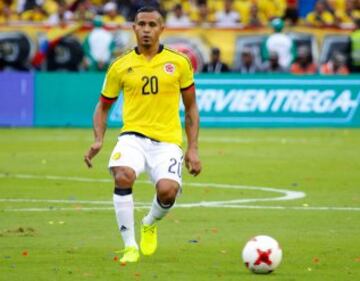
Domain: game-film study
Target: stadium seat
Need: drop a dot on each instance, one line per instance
(16, 50)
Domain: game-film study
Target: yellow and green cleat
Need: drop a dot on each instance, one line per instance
(148, 243)
(131, 254)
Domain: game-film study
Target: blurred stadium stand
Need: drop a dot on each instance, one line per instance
(66, 55)
(19, 38)
(306, 39)
(252, 42)
(16, 50)
(338, 43)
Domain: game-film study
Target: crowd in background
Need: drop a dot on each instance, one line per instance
(278, 54)
(187, 13)
(303, 64)
(278, 51)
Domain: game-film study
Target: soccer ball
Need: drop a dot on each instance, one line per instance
(262, 254)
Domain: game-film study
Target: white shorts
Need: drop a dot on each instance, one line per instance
(160, 160)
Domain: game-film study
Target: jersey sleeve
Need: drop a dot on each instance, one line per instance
(186, 75)
(112, 84)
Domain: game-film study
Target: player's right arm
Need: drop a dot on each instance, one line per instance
(109, 94)
(99, 121)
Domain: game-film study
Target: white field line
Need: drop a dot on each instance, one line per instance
(297, 208)
(143, 205)
(56, 201)
(285, 194)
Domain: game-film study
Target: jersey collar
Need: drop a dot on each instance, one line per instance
(161, 47)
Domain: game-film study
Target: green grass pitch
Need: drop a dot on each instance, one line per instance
(68, 231)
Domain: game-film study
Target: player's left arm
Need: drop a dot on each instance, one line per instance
(192, 159)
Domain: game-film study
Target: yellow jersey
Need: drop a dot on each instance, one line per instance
(151, 92)
(318, 20)
(272, 8)
(119, 20)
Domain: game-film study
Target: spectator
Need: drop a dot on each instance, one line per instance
(83, 10)
(111, 16)
(280, 43)
(124, 7)
(321, 16)
(62, 16)
(336, 5)
(24, 5)
(6, 13)
(304, 62)
(130, 7)
(272, 65)
(203, 17)
(247, 62)
(49, 6)
(98, 5)
(134, 5)
(242, 7)
(291, 15)
(227, 17)
(187, 5)
(272, 8)
(36, 14)
(346, 18)
(98, 47)
(169, 5)
(336, 65)
(177, 18)
(215, 65)
(255, 18)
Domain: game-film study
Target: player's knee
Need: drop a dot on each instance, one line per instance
(167, 191)
(124, 177)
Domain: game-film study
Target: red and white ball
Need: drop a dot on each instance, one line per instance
(262, 254)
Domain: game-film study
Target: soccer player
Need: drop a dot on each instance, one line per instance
(152, 78)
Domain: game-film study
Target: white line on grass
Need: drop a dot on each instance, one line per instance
(57, 201)
(298, 208)
(286, 194)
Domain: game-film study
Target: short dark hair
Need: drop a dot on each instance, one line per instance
(215, 51)
(148, 9)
